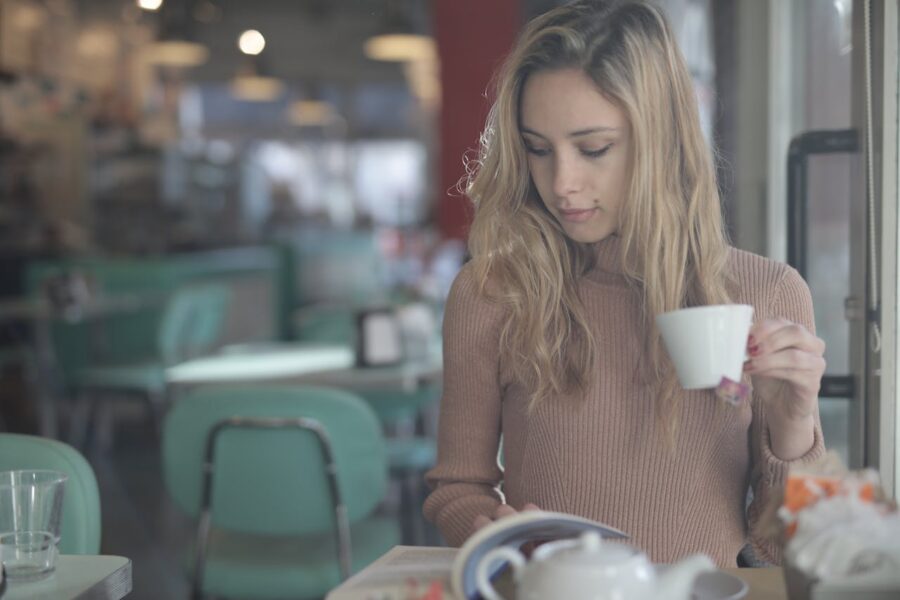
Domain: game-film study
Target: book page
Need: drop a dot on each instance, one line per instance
(399, 572)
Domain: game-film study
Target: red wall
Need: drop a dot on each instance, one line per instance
(473, 37)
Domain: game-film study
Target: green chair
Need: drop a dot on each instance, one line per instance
(80, 532)
(190, 324)
(409, 455)
(283, 481)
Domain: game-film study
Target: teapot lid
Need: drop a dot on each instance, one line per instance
(586, 550)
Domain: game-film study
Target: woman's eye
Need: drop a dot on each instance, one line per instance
(536, 151)
(596, 153)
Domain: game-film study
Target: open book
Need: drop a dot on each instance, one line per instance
(429, 573)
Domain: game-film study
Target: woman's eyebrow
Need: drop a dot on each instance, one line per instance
(578, 133)
(591, 130)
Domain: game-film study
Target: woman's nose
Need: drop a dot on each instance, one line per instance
(567, 177)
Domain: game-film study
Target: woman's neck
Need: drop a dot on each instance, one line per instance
(608, 254)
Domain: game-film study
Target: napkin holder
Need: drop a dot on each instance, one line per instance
(379, 340)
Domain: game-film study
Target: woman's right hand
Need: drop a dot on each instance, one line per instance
(504, 510)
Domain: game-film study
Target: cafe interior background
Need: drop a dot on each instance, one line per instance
(274, 150)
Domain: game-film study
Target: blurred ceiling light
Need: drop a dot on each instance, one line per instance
(256, 88)
(398, 38)
(252, 83)
(175, 46)
(151, 5)
(424, 81)
(399, 47)
(251, 42)
(312, 112)
(176, 53)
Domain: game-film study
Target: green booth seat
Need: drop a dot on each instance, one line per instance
(252, 274)
(80, 527)
(252, 463)
(190, 325)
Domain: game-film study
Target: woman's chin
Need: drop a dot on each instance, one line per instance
(588, 235)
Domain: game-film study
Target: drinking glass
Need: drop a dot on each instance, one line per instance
(30, 513)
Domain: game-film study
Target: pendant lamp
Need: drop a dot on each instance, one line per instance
(175, 45)
(399, 38)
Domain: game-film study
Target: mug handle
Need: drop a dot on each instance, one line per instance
(483, 571)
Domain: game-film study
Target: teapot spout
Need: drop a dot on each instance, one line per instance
(678, 580)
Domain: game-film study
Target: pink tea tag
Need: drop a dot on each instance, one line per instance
(732, 392)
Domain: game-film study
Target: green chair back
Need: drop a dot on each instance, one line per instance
(273, 481)
(327, 324)
(191, 321)
(80, 528)
(132, 337)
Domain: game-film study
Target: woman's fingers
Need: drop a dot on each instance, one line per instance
(502, 510)
(791, 359)
(783, 350)
(786, 362)
(774, 335)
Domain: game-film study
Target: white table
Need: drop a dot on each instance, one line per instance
(391, 574)
(78, 577)
(299, 362)
(262, 362)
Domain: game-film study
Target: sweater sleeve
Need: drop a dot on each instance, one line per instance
(791, 301)
(465, 480)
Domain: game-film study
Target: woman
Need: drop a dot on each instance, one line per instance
(596, 208)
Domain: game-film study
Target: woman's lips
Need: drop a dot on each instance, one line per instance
(577, 215)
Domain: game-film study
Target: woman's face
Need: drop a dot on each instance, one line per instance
(577, 143)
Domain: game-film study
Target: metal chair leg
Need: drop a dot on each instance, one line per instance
(415, 511)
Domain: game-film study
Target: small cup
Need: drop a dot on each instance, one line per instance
(30, 512)
(28, 555)
(707, 343)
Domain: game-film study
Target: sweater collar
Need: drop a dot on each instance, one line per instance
(608, 255)
(607, 268)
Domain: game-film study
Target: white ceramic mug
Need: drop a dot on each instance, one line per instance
(707, 343)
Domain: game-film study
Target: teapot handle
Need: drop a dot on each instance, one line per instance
(483, 572)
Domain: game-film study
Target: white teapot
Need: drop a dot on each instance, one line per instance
(587, 568)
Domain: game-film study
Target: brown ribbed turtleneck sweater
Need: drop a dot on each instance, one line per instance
(605, 458)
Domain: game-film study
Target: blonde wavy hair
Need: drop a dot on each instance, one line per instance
(674, 245)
